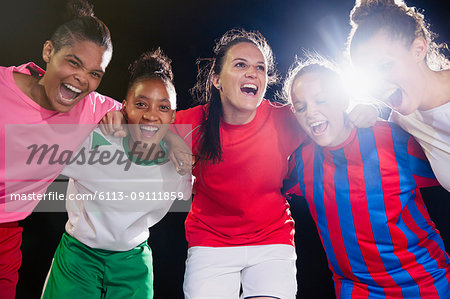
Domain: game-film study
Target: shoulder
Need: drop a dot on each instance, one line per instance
(97, 105)
(25, 70)
(5, 70)
(276, 107)
(281, 113)
(387, 135)
(283, 118)
(392, 128)
(95, 98)
(191, 116)
(383, 127)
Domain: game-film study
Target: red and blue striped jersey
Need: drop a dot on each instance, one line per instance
(376, 231)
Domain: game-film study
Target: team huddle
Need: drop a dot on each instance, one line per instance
(241, 157)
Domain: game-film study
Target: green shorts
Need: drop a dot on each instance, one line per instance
(84, 272)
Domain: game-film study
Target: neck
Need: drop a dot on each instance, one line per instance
(344, 134)
(238, 118)
(32, 87)
(437, 89)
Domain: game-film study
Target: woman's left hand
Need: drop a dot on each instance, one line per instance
(363, 115)
(179, 153)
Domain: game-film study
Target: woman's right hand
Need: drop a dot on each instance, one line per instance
(113, 124)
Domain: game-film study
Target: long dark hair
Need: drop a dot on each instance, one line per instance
(209, 142)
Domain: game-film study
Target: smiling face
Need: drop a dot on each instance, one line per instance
(148, 111)
(396, 70)
(72, 73)
(242, 82)
(319, 110)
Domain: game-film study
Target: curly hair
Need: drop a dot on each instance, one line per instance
(400, 21)
(154, 64)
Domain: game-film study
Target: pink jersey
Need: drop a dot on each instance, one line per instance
(25, 124)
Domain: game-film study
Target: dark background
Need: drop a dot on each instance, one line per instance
(186, 30)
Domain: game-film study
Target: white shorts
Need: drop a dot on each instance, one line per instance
(218, 272)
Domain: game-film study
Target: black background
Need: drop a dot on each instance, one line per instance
(186, 30)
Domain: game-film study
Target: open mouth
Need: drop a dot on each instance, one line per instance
(319, 127)
(148, 131)
(249, 89)
(395, 99)
(68, 92)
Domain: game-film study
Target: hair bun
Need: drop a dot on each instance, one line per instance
(80, 8)
(364, 9)
(152, 62)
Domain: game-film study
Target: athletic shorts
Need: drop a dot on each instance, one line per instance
(10, 258)
(219, 272)
(80, 271)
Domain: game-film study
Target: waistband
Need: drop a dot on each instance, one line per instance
(9, 224)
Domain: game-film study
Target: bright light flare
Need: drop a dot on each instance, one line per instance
(360, 86)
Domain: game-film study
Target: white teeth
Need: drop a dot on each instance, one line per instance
(149, 128)
(74, 89)
(317, 123)
(252, 86)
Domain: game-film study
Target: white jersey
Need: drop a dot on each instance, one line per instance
(112, 200)
(431, 128)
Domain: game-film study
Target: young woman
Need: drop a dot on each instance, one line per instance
(104, 252)
(362, 189)
(392, 42)
(76, 57)
(239, 229)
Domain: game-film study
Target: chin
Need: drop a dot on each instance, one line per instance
(323, 141)
(156, 139)
(317, 140)
(251, 107)
(64, 107)
(148, 143)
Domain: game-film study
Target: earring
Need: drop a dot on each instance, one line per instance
(218, 87)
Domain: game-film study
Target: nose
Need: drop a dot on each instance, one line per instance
(150, 115)
(310, 110)
(251, 71)
(81, 77)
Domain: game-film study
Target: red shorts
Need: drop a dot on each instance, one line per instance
(10, 258)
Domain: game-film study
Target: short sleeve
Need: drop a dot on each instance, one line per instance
(291, 184)
(100, 105)
(419, 165)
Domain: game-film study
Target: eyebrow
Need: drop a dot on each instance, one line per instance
(243, 59)
(143, 97)
(82, 64)
(295, 100)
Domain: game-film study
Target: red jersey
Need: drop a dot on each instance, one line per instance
(238, 201)
(376, 231)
